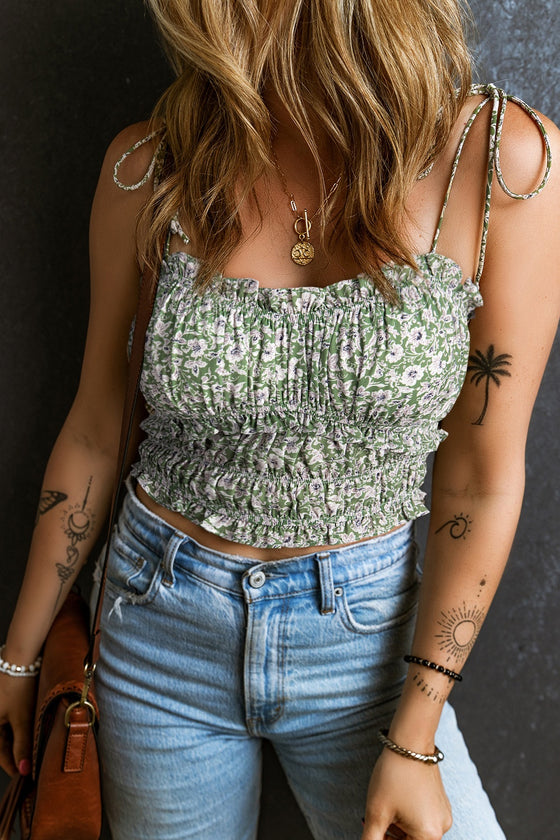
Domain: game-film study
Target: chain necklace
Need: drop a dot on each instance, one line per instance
(303, 251)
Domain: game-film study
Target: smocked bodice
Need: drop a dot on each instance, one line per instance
(293, 417)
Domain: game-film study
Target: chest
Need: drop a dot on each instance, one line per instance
(240, 350)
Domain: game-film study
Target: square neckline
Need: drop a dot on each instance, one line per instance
(466, 283)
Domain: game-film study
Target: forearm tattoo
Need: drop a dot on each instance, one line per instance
(458, 527)
(460, 627)
(77, 522)
(481, 584)
(487, 368)
(438, 695)
(49, 499)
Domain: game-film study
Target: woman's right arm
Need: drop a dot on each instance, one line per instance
(80, 473)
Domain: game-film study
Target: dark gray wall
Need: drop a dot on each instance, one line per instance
(72, 75)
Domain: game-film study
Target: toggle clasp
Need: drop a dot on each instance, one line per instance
(303, 235)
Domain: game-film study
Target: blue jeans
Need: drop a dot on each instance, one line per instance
(204, 654)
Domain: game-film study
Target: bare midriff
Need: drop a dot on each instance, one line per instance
(217, 543)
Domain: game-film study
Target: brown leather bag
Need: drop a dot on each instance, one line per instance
(61, 800)
(65, 801)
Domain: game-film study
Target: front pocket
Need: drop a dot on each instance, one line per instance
(383, 600)
(131, 574)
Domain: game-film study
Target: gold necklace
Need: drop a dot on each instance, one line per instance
(303, 251)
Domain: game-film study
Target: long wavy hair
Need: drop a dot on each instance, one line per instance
(383, 79)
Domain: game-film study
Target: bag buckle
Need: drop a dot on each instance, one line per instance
(89, 671)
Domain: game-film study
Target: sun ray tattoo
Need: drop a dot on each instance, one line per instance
(78, 522)
(460, 627)
(459, 526)
(487, 368)
(49, 499)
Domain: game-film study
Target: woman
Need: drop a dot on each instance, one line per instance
(262, 580)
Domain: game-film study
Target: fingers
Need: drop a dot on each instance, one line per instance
(22, 745)
(16, 748)
(17, 710)
(7, 762)
(376, 829)
(395, 832)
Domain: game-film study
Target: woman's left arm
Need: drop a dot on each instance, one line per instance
(478, 478)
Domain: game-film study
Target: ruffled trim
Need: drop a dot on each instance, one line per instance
(441, 273)
(272, 530)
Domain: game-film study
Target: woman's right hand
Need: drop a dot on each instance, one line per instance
(406, 799)
(17, 707)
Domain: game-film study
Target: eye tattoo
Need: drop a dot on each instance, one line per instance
(459, 629)
(48, 500)
(487, 368)
(459, 526)
(77, 522)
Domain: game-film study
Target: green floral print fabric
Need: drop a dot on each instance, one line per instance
(304, 416)
(294, 417)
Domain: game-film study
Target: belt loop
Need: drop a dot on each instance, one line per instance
(326, 581)
(168, 561)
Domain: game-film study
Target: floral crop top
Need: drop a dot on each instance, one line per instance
(304, 416)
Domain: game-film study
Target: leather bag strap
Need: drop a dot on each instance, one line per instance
(148, 289)
(10, 805)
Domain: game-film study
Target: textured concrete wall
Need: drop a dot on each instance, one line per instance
(72, 75)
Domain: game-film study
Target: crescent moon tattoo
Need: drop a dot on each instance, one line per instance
(77, 523)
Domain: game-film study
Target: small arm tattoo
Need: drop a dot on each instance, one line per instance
(459, 526)
(487, 368)
(436, 694)
(49, 499)
(460, 627)
(77, 523)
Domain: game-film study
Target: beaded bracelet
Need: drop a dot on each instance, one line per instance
(431, 758)
(434, 666)
(19, 670)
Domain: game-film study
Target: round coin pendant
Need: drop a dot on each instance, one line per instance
(303, 252)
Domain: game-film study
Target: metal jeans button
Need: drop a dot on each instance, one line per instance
(257, 579)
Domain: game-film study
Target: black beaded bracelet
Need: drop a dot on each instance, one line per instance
(434, 666)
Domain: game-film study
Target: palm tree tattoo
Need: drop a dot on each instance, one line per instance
(487, 368)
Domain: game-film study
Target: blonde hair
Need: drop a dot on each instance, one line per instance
(384, 79)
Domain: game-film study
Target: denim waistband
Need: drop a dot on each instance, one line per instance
(322, 569)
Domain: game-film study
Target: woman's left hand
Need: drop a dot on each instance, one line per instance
(406, 798)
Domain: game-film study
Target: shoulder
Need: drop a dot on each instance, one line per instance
(126, 181)
(523, 148)
(130, 154)
(522, 139)
(528, 146)
(522, 268)
(115, 210)
(527, 172)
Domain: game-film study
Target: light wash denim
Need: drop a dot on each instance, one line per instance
(203, 654)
